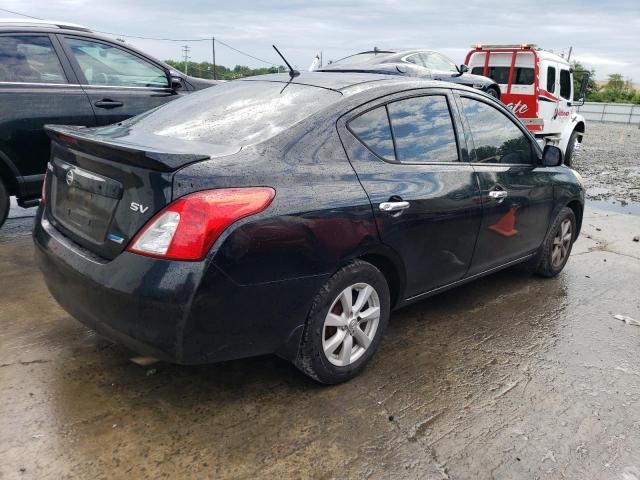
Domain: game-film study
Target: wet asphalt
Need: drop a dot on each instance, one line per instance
(509, 377)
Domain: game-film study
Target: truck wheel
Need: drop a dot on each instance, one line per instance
(557, 244)
(572, 149)
(345, 324)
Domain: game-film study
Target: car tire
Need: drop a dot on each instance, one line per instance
(571, 149)
(5, 204)
(332, 351)
(557, 244)
(493, 92)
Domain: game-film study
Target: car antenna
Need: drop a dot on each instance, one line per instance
(292, 72)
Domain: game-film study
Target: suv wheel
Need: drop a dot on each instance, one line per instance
(345, 324)
(4, 202)
(557, 245)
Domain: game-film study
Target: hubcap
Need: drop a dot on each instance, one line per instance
(351, 324)
(562, 243)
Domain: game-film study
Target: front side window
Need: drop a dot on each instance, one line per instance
(565, 84)
(104, 64)
(551, 79)
(372, 129)
(496, 138)
(423, 130)
(29, 59)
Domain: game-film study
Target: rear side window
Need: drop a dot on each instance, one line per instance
(565, 84)
(551, 79)
(496, 138)
(104, 64)
(372, 129)
(423, 130)
(29, 59)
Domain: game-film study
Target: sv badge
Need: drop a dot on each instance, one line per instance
(138, 207)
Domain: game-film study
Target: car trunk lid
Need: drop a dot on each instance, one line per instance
(101, 191)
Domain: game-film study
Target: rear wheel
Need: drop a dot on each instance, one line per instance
(557, 244)
(345, 324)
(493, 92)
(573, 148)
(4, 202)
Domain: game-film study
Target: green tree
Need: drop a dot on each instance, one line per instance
(578, 73)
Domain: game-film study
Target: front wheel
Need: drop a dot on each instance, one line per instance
(573, 147)
(493, 92)
(345, 324)
(5, 204)
(557, 244)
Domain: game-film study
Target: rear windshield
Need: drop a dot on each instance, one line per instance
(522, 75)
(237, 113)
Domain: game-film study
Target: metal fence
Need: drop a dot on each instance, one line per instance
(611, 112)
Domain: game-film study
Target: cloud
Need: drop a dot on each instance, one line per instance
(607, 31)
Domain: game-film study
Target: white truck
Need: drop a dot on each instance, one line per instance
(537, 85)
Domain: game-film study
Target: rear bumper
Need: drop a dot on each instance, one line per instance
(181, 312)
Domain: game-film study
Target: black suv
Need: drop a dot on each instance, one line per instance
(52, 72)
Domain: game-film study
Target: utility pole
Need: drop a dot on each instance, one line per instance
(213, 49)
(185, 54)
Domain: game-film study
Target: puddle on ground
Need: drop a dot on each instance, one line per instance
(618, 206)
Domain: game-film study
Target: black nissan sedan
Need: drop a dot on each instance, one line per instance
(292, 215)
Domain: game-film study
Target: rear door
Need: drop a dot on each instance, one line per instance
(119, 82)
(517, 192)
(425, 198)
(37, 86)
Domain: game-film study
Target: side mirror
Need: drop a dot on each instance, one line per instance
(463, 68)
(176, 83)
(584, 84)
(551, 156)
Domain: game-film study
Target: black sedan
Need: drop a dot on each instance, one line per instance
(413, 63)
(290, 216)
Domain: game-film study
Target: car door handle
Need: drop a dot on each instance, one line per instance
(107, 103)
(393, 206)
(498, 194)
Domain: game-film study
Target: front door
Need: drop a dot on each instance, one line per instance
(517, 192)
(119, 82)
(425, 199)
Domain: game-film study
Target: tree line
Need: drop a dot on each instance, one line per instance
(617, 89)
(205, 70)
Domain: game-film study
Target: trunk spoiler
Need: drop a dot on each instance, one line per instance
(153, 152)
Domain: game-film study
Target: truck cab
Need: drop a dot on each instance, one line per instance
(537, 85)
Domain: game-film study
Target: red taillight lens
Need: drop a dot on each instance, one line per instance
(187, 228)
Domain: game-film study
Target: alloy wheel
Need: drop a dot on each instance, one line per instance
(351, 324)
(562, 243)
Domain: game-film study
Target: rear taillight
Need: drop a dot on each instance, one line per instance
(187, 228)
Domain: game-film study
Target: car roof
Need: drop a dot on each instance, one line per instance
(38, 23)
(349, 83)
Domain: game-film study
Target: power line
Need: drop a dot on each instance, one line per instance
(159, 39)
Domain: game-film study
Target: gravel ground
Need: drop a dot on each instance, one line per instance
(610, 165)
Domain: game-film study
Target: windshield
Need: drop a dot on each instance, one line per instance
(237, 113)
(360, 58)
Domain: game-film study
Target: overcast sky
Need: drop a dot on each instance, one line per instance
(605, 34)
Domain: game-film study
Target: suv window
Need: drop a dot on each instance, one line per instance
(372, 129)
(104, 64)
(423, 130)
(496, 138)
(565, 84)
(29, 59)
(551, 79)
